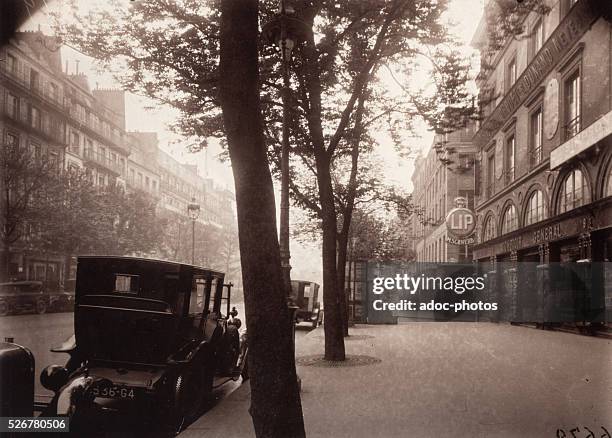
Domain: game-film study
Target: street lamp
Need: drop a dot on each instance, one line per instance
(285, 30)
(352, 267)
(193, 211)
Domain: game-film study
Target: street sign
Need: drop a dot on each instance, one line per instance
(460, 221)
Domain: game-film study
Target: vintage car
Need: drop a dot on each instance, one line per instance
(150, 337)
(23, 296)
(305, 295)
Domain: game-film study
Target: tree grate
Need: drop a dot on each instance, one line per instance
(318, 360)
(353, 337)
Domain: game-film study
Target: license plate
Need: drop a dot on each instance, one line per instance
(114, 391)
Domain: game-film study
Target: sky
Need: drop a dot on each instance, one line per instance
(462, 16)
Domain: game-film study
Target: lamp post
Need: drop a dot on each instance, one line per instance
(285, 30)
(193, 211)
(352, 266)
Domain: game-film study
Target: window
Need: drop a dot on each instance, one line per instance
(537, 37)
(35, 151)
(34, 80)
(489, 229)
(608, 191)
(54, 91)
(75, 142)
(509, 159)
(12, 106)
(535, 208)
(53, 159)
(491, 174)
(574, 191)
(536, 137)
(572, 105)
(12, 139)
(510, 74)
(101, 180)
(11, 63)
(196, 302)
(34, 117)
(88, 148)
(510, 220)
(127, 284)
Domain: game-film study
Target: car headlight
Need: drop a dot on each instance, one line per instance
(54, 377)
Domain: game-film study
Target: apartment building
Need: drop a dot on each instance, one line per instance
(545, 148)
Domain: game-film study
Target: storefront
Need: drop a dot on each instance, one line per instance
(555, 271)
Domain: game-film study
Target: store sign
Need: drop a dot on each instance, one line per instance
(468, 241)
(461, 221)
(547, 234)
(554, 232)
(569, 31)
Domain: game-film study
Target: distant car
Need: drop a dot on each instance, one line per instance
(150, 336)
(63, 300)
(23, 296)
(305, 295)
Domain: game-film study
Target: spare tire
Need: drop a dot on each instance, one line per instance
(229, 350)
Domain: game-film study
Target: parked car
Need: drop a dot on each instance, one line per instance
(22, 296)
(63, 300)
(305, 295)
(150, 336)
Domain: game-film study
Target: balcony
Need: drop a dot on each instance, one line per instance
(509, 175)
(103, 136)
(23, 81)
(535, 156)
(581, 140)
(572, 128)
(103, 161)
(52, 130)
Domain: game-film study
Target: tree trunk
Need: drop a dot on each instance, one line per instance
(334, 333)
(275, 400)
(334, 339)
(347, 215)
(342, 258)
(4, 264)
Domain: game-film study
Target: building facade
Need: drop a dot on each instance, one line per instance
(544, 148)
(34, 117)
(59, 118)
(441, 176)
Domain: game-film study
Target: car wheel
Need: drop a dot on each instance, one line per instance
(177, 412)
(4, 308)
(41, 307)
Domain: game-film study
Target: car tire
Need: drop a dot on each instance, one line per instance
(175, 419)
(41, 307)
(181, 407)
(4, 308)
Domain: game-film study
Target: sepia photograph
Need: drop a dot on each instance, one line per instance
(306, 218)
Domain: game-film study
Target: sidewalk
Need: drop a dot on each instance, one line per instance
(445, 379)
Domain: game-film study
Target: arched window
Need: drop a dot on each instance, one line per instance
(489, 229)
(608, 191)
(535, 208)
(574, 191)
(510, 220)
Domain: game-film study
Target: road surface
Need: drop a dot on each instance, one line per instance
(41, 332)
